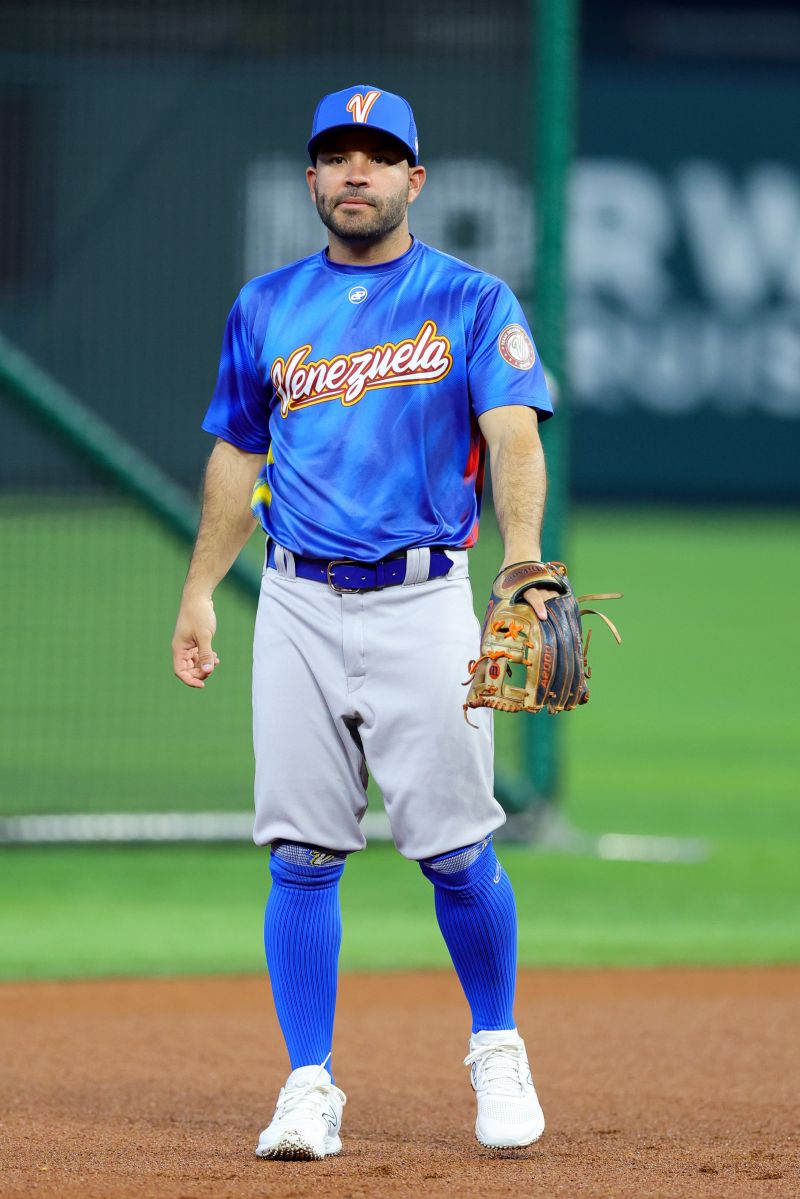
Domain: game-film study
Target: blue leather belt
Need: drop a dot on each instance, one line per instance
(343, 575)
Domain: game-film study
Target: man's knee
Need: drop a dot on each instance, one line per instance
(293, 864)
(462, 867)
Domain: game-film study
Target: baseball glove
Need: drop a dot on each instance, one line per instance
(551, 652)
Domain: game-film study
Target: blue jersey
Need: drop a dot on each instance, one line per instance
(363, 386)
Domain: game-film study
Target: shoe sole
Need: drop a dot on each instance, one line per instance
(294, 1148)
(508, 1144)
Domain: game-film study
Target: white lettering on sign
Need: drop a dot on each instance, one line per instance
(745, 240)
(684, 288)
(622, 230)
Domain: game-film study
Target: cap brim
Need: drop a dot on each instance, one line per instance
(314, 143)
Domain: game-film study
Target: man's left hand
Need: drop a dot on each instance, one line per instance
(537, 597)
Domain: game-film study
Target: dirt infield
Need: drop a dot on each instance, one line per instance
(654, 1083)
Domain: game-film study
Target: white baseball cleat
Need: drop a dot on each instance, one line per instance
(307, 1120)
(509, 1114)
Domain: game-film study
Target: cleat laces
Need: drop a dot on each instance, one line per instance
(500, 1068)
(309, 1099)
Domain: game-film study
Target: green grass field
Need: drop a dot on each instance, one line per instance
(692, 731)
(74, 912)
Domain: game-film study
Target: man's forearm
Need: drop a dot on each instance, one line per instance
(226, 522)
(519, 486)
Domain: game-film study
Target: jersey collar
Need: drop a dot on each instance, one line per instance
(378, 268)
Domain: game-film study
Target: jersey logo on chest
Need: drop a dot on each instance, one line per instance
(299, 383)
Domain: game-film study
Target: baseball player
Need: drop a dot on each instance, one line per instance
(358, 392)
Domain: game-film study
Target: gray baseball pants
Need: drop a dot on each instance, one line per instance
(342, 680)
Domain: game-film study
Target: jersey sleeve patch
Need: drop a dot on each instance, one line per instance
(503, 366)
(516, 347)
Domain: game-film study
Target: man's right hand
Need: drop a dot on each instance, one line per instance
(193, 658)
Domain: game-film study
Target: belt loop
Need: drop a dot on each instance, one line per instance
(418, 566)
(284, 562)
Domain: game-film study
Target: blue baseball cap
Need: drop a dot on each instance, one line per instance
(363, 104)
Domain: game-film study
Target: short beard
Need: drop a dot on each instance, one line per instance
(384, 218)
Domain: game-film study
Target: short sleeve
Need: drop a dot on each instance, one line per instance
(503, 365)
(239, 410)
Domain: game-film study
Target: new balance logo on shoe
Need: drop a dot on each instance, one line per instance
(330, 1119)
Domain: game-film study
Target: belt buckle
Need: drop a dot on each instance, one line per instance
(332, 585)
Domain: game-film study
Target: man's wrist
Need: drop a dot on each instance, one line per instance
(197, 589)
(524, 553)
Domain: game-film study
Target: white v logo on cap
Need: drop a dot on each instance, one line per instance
(359, 105)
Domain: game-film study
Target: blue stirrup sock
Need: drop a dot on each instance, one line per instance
(302, 936)
(477, 914)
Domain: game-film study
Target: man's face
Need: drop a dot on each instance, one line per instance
(362, 184)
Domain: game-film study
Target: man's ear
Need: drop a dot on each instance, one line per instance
(416, 182)
(311, 180)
